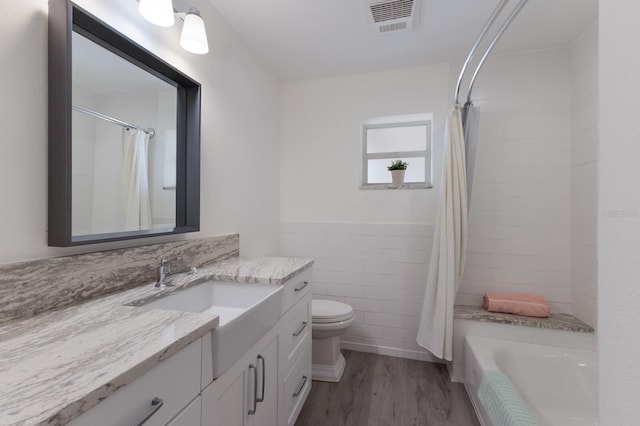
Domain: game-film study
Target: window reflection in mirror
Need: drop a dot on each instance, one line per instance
(124, 144)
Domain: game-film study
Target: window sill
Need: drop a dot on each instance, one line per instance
(404, 186)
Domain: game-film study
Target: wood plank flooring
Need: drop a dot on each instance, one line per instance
(378, 390)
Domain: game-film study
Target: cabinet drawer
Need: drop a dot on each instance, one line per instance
(176, 381)
(296, 331)
(296, 288)
(296, 386)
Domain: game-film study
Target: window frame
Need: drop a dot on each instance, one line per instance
(395, 155)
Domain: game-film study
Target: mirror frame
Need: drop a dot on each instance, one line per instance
(64, 18)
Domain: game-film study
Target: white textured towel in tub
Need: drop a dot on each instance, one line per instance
(502, 403)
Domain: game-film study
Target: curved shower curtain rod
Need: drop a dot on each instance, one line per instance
(492, 19)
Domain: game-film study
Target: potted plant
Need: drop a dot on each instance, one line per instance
(397, 169)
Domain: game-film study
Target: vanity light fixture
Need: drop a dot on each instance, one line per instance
(158, 12)
(194, 36)
(161, 12)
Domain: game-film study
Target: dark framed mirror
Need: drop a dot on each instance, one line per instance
(124, 136)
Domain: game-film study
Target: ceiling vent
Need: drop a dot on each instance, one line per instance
(393, 16)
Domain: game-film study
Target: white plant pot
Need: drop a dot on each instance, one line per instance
(397, 177)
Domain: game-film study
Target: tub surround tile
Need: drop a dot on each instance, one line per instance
(70, 359)
(69, 280)
(565, 322)
(565, 339)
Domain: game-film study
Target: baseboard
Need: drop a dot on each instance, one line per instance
(455, 372)
(383, 350)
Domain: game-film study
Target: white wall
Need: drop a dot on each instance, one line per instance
(584, 175)
(520, 212)
(321, 152)
(371, 246)
(240, 159)
(520, 219)
(619, 213)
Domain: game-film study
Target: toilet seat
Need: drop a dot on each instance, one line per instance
(330, 311)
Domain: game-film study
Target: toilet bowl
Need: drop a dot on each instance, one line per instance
(329, 320)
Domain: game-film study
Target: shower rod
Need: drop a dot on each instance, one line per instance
(150, 131)
(483, 33)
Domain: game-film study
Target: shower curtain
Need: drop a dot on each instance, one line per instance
(135, 180)
(435, 332)
(470, 121)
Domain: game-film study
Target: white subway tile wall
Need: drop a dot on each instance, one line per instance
(584, 169)
(379, 269)
(520, 209)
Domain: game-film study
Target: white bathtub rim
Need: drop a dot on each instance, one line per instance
(481, 358)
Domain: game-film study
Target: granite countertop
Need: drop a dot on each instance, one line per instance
(566, 322)
(57, 365)
(265, 270)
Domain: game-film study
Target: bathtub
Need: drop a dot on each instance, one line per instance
(559, 385)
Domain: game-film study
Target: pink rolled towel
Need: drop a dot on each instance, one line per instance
(531, 305)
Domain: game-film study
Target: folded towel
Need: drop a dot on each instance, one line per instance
(502, 403)
(531, 305)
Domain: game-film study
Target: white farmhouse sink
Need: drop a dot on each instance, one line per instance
(246, 311)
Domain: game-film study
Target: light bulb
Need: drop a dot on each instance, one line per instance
(158, 12)
(194, 36)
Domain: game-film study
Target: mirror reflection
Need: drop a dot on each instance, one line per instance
(124, 144)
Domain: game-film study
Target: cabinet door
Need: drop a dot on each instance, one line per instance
(266, 413)
(223, 401)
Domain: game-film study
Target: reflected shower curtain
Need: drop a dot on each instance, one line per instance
(135, 180)
(446, 267)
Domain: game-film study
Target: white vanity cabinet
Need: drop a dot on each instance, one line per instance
(190, 416)
(295, 348)
(247, 393)
(282, 357)
(175, 382)
(266, 386)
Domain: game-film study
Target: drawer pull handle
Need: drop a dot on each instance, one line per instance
(261, 359)
(255, 389)
(302, 287)
(156, 404)
(302, 383)
(299, 332)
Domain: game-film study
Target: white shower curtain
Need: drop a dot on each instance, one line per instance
(435, 331)
(135, 191)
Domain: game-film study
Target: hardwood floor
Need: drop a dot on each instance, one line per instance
(378, 390)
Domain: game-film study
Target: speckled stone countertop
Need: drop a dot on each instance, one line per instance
(564, 322)
(266, 270)
(57, 365)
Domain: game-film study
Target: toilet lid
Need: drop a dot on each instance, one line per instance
(330, 311)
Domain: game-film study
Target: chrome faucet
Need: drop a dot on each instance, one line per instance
(163, 272)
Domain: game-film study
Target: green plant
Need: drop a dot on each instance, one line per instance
(397, 165)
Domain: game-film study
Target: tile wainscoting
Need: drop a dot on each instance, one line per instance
(381, 270)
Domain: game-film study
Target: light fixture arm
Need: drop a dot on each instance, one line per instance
(161, 12)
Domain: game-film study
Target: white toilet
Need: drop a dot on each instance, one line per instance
(329, 320)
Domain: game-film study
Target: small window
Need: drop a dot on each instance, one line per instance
(385, 142)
